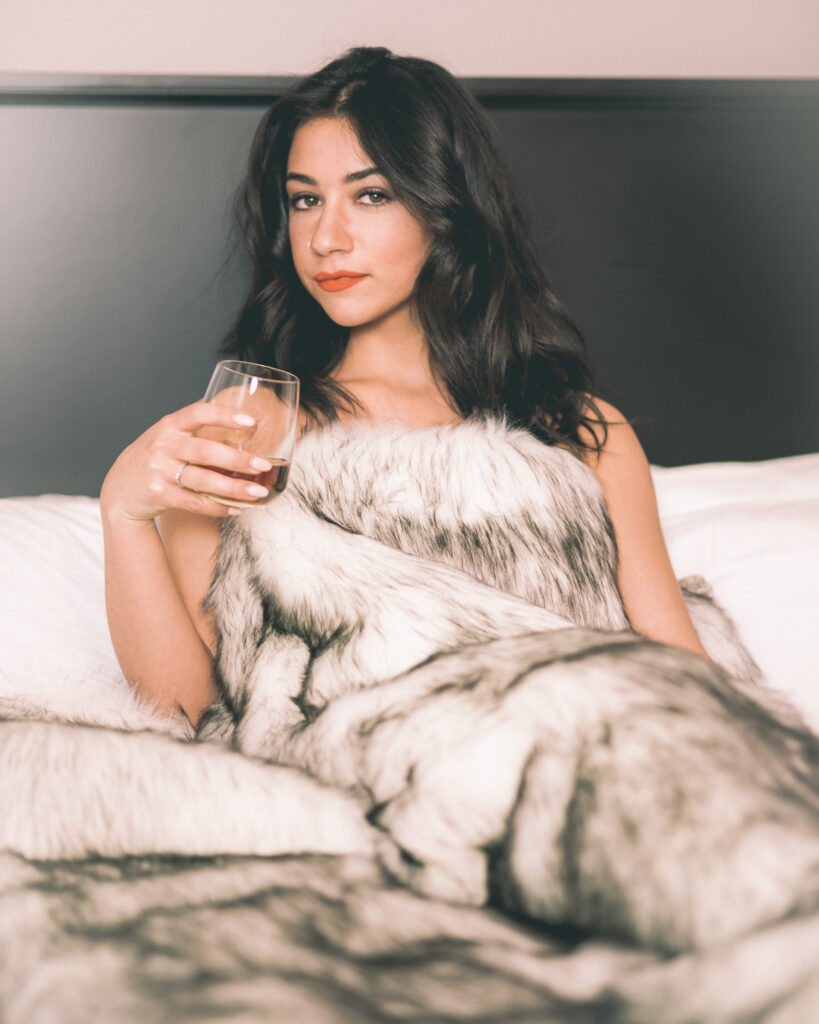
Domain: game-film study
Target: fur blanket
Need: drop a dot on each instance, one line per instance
(484, 796)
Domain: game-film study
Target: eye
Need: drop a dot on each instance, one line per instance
(374, 196)
(303, 201)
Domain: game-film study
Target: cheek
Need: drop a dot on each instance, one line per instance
(293, 235)
(404, 251)
(410, 267)
(299, 251)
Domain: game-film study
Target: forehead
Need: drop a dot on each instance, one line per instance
(327, 145)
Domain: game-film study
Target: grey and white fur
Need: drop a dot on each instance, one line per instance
(493, 503)
(573, 774)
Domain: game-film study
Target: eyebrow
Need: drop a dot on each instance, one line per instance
(355, 176)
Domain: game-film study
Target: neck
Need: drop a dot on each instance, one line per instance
(394, 350)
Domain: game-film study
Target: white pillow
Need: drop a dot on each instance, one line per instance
(752, 530)
(690, 488)
(55, 651)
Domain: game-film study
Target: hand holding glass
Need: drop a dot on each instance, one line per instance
(271, 397)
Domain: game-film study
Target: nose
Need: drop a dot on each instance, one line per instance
(331, 231)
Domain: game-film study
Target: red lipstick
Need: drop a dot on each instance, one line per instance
(338, 281)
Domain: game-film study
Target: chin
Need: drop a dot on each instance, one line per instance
(345, 316)
(346, 319)
(350, 311)
(349, 316)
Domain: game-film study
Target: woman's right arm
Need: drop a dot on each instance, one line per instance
(154, 585)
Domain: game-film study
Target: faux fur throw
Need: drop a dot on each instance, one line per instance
(399, 648)
(327, 562)
(430, 620)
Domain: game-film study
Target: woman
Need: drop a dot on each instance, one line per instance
(393, 274)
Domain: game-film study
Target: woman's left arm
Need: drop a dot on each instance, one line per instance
(651, 594)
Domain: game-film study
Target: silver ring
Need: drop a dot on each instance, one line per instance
(178, 474)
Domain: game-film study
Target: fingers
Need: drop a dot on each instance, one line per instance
(203, 491)
(216, 454)
(143, 480)
(200, 504)
(216, 467)
(203, 414)
(207, 481)
(203, 505)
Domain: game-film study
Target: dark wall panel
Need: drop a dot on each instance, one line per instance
(115, 229)
(687, 244)
(683, 230)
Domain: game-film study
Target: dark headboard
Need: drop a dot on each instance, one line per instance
(679, 220)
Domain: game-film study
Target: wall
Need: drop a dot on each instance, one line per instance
(572, 38)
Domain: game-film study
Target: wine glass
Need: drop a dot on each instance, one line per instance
(271, 397)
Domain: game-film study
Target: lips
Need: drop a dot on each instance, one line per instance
(338, 281)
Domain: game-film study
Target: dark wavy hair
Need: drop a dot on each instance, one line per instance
(500, 341)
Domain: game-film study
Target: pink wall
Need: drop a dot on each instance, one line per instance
(573, 38)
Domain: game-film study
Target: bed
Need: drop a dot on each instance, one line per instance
(285, 911)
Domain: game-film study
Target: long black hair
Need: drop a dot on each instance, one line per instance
(500, 341)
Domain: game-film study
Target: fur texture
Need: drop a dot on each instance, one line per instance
(98, 792)
(577, 776)
(585, 778)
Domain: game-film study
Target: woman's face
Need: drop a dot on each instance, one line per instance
(356, 248)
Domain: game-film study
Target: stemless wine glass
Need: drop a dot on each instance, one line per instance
(271, 397)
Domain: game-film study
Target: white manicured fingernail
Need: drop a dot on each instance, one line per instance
(259, 463)
(256, 490)
(243, 419)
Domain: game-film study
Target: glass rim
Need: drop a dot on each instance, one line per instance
(245, 369)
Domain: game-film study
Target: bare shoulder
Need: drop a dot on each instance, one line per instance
(621, 451)
(651, 594)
